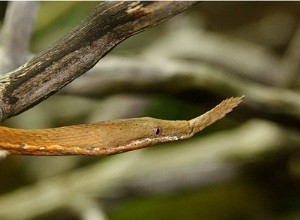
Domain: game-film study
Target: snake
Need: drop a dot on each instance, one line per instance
(108, 137)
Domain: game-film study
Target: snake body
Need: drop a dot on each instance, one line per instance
(108, 137)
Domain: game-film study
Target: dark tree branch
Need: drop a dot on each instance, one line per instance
(108, 25)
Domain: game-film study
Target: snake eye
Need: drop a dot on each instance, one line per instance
(157, 131)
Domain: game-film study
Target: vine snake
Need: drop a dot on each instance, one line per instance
(108, 137)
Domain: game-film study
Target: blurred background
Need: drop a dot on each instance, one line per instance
(246, 166)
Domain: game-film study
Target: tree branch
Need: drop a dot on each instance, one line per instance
(109, 24)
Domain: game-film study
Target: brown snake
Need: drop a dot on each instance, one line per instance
(108, 137)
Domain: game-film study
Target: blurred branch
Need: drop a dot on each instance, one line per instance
(88, 209)
(16, 34)
(152, 171)
(108, 25)
(289, 66)
(117, 74)
(237, 56)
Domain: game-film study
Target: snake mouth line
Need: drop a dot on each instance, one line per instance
(136, 144)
